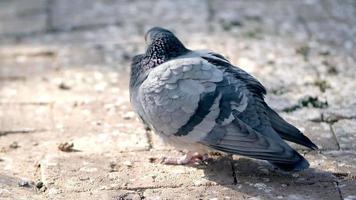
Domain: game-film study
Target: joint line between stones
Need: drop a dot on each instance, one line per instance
(335, 138)
(336, 183)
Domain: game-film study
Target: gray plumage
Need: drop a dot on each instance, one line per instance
(199, 101)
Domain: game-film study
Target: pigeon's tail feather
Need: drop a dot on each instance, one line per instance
(288, 131)
(298, 165)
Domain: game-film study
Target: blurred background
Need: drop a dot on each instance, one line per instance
(64, 69)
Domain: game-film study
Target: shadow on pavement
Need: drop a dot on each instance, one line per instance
(256, 178)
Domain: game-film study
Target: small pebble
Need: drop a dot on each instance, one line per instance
(128, 163)
(63, 86)
(153, 160)
(14, 145)
(43, 189)
(66, 146)
(129, 115)
(39, 184)
(112, 166)
(24, 183)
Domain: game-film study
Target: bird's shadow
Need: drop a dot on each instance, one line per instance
(255, 178)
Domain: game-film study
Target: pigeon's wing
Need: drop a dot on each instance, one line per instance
(258, 118)
(283, 128)
(135, 81)
(239, 138)
(174, 91)
(198, 101)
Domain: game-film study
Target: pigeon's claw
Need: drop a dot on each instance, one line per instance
(189, 158)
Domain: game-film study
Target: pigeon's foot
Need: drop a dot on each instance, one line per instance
(189, 158)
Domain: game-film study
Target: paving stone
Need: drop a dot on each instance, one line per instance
(32, 57)
(108, 35)
(251, 15)
(24, 118)
(115, 141)
(23, 62)
(318, 19)
(345, 134)
(10, 188)
(93, 195)
(20, 153)
(320, 133)
(247, 190)
(67, 15)
(10, 193)
(340, 163)
(24, 160)
(126, 171)
(342, 94)
(18, 17)
(347, 189)
(259, 170)
(278, 103)
(67, 85)
(103, 48)
(335, 114)
(99, 127)
(75, 76)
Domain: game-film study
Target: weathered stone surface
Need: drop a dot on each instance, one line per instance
(24, 118)
(101, 127)
(278, 103)
(340, 21)
(67, 86)
(345, 134)
(258, 170)
(335, 114)
(247, 190)
(320, 133)
(94, 195)
(249, 17)
(110, 35)
(127, 171)
(125, 13)
(71, 65)
(337, 162)
(347, 189)
(19, 63)
(18, 17)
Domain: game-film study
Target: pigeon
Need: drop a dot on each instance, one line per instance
(200, 102)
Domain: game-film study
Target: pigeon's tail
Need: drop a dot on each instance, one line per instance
(298, 165)
(287, 131)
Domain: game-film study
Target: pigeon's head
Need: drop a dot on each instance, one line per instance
(163, 45)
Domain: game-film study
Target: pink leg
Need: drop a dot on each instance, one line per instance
(188, 158)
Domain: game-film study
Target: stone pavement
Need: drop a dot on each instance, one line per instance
(67, 130)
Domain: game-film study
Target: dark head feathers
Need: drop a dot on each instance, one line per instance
(162, 45)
